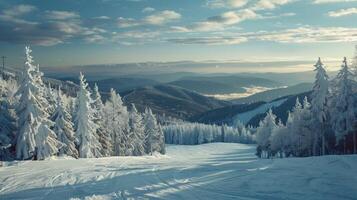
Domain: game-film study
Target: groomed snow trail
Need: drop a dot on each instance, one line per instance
(209, 171)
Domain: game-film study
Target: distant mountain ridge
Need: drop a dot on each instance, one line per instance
(172, 101)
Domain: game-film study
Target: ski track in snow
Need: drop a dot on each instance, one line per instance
(209, 171)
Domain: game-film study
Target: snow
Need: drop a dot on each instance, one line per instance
(246, 116)
(209, 171)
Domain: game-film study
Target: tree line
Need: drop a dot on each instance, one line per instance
(37, 122)
(196, 133)
(325, 124)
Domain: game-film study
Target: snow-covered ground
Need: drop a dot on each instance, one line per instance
(210, 171)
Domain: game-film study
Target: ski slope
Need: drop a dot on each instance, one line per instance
(209, 171)
(246, 116)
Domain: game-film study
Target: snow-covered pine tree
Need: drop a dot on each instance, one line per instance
(35, 139)
(319, 97)
(354, 71)
(116, 121)
(51, 98)
(343, 111)
(280, 140)
(299, 127)
(161, 140)
(264, 131)
(137, 131)
(88, 144)
(64, 128)
(103, 135)
(7, 119)
(155, 141)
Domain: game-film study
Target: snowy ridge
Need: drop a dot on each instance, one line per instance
(246, 116)
(209, 171)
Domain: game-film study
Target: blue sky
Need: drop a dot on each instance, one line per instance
(79, 32)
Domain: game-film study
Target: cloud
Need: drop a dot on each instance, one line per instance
(214, 40)
(308, 35)
(156, 19)
(61, 15)
(343, 12)
(332, 1)
(270, 4)
(148, 10)
(220, 21)
(162, 17)
(19, 10)
(226, 3)
(103, 17)
(94, 39)
(60, 28)
(15, 13)
(129, 38)
(300, 35)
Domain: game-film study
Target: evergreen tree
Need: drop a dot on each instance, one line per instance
(280, 140)
(7, 119)
(264, 131)
(98, 118)
(86, 129)
(343, 110)
(319, 108)
(35, 138)
(137, 130)
(64, 128)
(117, 124)
(155, 141)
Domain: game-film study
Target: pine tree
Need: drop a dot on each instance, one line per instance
(117, 123)
(343, 114)
(86, 129)
(35, 138)
(264, 131)
(7, 119)
(103, 135)
(319, 108)
(155, 141)
(64, 128)
(280, 140)
(137, 130)
(354, 68)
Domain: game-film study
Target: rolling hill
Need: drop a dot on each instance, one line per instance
(172, 101)
(223, 84)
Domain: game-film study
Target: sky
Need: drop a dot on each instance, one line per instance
(78, 32)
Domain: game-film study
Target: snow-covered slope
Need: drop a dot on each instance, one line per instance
(246, 116)
(210, 171)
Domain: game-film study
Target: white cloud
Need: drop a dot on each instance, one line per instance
(61, 15)
(213, 40)
(148, 10)
(15, 13)
(226, 3)
(162, 17)
(308, 35)
(19, 10)
(103, 17)
(61, 27)
(128, 22)
(332, 1)
(158, 18)
(225, 19)
(270, 4)
(343, 12)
